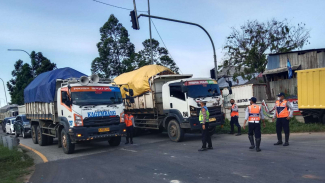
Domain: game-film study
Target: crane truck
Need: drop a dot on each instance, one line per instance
(74, 108)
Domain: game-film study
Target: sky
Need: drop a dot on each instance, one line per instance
(66, 32)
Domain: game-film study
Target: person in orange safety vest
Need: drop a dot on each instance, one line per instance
(254, 115)
(129, 122)
(234, 114)
(282, 115)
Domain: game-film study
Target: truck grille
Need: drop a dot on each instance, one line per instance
(214, 111)
(101, 121)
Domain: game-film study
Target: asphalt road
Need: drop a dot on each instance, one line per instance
(154, 158)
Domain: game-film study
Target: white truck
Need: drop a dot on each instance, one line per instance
(172, 103)
(60, 105)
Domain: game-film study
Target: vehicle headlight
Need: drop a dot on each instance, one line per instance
(27, 126)
(78, 121)
(193, 111)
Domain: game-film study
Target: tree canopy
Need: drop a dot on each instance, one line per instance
(117, 54)
(248, 46)
(24, 73)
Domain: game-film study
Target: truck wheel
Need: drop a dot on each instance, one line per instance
(175, 132)
(212, 130)
(42, 139)
(49, 140)
(323, 119)
(34, 134)
(67, 146)
(114, 141)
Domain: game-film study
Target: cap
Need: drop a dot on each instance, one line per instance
(253, 99)
(280, 94)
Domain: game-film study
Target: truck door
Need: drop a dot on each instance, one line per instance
(177, 100)
(64, 108)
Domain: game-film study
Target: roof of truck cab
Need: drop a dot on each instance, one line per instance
(174, 76)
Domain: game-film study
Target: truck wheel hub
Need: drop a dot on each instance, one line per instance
(64, 141)
(173, 130)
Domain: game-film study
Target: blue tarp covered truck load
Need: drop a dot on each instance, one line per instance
(42, 88)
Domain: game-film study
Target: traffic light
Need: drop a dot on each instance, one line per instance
(134, 20)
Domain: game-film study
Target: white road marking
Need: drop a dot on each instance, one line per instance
(128, 150)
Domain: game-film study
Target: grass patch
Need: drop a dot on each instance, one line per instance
(12, 166)
(270, 128)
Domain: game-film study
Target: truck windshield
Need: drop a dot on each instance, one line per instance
(208, 90)
(96, 98)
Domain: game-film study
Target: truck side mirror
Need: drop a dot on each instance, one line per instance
(131, 99)
(125, 89)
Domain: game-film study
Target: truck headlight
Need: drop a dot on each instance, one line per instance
(78, 121)
(193, 111)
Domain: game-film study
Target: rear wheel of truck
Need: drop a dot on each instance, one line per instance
(49, 140)
(42, 139)
(67, 146)
(34, 134)
(114, 141)
(175, 132)
(212, 130)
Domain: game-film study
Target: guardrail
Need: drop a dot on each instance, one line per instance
(9, 142)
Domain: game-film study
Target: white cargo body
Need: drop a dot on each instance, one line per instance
(21, 109)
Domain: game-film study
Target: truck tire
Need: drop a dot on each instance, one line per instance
(34, 134)
(23, 134)
(323, 119)
(114, 141)
(67, 146)
(49, 140)
(42, 139)
(212, 131)
(175, 132)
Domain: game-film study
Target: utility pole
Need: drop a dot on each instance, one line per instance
(4, 89)
(151, 52)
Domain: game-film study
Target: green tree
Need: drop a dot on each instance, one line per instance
(160, 56)
(23, 74)
(115, 49)
(40, 63)
(248, 46)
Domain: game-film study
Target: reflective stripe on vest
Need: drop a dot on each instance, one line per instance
(207, 115)
(281, 109)
(128, 120)
(234, 113)
(254, 113)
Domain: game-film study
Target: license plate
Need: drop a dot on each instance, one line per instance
(103, 130)
(212, 119)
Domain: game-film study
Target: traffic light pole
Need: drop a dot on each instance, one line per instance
(190, 23)
(151, 52)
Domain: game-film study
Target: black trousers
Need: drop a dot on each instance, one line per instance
(234, 121)
(206, 138)
(129, 133)
(282, 123)
(254, 129)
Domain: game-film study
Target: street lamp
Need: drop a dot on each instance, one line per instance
(4, 89)
(19, 50)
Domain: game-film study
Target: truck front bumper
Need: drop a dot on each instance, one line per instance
(194, 124)
(79, 134)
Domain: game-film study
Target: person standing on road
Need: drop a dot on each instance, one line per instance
(204, 120)
(253, 115)
(234, 114)
(129, 121)
(283, 116)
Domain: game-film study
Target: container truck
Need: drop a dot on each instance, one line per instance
(159, 99)
(311, 101)
(67, 105)
(8, 111)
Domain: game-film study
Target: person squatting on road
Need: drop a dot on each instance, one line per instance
(234, 114)
(204, 120)
(253, 115)
(283, 116)
(129, 121)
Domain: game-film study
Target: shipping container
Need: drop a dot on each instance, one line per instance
(311, 99)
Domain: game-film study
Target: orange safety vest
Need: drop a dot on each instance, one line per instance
(234, 113)
(281, 109)
(254, 113)
(128, 120)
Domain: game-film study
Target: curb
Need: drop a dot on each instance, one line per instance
(45, 160)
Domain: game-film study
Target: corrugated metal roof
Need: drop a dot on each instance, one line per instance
(299, 51)
(273, 62)
(279, 70)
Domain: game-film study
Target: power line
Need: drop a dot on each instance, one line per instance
(164, 43)
(116, 6)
